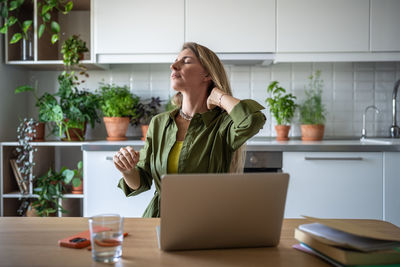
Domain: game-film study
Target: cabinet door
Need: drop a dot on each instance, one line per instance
(385, 25)
(392, 187)
(334, 185)
(137, 26)
(101, 192)
(322, 25)
(231, 26)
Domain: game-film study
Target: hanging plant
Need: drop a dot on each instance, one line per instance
(25, 150)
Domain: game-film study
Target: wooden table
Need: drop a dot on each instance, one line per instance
(33, 242)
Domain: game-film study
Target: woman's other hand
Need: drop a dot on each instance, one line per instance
(125, 160)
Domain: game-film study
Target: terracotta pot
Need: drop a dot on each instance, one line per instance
(77, 189)
(312, 132)
(75, 134)
(145, 128)
(116, 127)
(282, 132)
(38, 136)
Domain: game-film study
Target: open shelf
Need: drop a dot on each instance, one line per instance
(48, 155)
(47, 56)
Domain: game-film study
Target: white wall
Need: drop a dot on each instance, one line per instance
(349, 88)
(12, 107)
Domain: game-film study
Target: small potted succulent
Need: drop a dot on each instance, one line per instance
(118, 106)
(282, 106)
(145, 112)
(312, 110)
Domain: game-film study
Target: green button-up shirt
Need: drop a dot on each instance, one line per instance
(210, 141)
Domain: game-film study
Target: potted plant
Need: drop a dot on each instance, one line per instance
(51, 186)
(49, 189)
(312, 110)
(73, 49)
(76, 108)
(75, 178)
(282, 106)
(145, 112)
(118, 106)
(44, 105)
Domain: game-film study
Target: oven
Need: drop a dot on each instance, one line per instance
(263, 161)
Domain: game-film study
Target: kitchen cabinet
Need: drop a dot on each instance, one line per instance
(100, 188)
(47, 155)
(78, 21)
(138, 27)
(392, 186)
(323, 26)
(385, 22)
(334, 184)
(231, 26)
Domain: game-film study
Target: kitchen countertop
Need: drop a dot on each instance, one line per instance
(270, 144)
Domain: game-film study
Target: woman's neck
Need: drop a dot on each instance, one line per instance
(192, 104)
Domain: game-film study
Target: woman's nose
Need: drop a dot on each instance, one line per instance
(174, 66)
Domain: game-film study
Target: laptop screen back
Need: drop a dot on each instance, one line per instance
(204, 211)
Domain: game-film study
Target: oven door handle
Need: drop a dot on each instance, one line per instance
(333, 158)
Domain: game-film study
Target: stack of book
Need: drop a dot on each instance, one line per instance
(350, 242)
(22, 185)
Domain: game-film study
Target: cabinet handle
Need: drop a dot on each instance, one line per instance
(333, 158)
(109, 158)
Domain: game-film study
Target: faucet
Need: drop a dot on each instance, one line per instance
(364, 131)
(394, 130)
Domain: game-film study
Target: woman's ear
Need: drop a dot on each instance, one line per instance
(207, 77)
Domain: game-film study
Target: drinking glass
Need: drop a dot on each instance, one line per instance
(106, 235)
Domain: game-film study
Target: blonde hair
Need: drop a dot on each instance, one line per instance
(214, 67)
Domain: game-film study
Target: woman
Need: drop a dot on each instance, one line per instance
(204, 135)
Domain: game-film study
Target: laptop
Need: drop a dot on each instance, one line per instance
(209, 211)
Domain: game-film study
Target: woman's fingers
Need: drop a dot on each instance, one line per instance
(126, 159)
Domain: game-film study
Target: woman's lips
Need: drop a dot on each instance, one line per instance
(175, 75)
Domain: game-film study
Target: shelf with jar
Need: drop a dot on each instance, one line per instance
(41, 49)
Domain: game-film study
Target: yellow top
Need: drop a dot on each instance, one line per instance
(173, 157)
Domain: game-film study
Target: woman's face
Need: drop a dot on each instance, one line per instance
(187, 72)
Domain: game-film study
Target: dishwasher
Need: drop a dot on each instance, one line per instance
(263, 161)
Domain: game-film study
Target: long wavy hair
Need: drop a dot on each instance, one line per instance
(214, 67)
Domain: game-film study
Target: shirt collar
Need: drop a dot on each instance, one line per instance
(207, 117)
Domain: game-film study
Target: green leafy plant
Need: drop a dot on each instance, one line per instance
(72, 50)
(75, 108)
(10, 10)
(117, 101)
(282, 105)
(51, 186)
(44, 103)
(146, 110)
(312, 110)
(74, 177)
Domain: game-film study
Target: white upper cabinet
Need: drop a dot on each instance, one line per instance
(323, 26)
(231, 25)
(137, 26)
(385, 25)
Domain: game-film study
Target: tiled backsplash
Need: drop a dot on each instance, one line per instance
(348, 89)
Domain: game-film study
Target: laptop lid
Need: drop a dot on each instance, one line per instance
(206, 211)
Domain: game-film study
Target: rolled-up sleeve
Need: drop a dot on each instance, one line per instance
(143, 167)
(246, 121)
